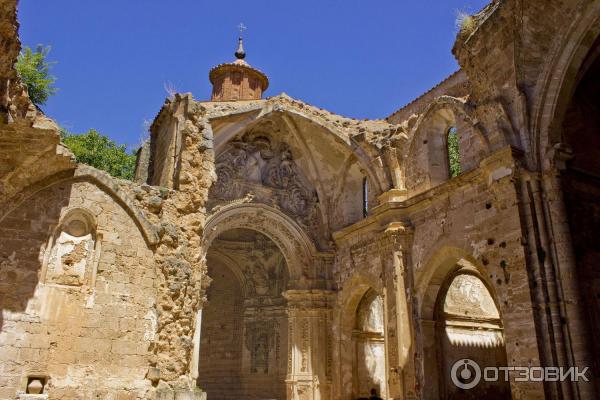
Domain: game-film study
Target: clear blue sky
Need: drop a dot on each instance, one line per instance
(357, 58)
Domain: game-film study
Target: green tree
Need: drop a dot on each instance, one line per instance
(34, 70)
(100, 152)
(453, 153)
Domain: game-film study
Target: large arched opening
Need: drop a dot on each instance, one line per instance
(468, 327)
(361, 350)
(243, 347)
(368, 347)
(580, 181)
(460, 319)
(255, 255)
(566, 132)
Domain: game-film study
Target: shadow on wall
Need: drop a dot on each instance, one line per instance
(581, 190)
(24, 234)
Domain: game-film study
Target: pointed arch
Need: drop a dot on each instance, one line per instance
(294, 243)
(426, 156)
(85, 173)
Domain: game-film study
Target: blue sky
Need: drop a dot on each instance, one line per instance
(357, 58)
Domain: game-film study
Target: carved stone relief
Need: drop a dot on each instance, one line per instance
(261, 263)
(254, 164)
(71, 255)
(468, 296)
(260, 339)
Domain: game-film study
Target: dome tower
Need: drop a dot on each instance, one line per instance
(237, 80)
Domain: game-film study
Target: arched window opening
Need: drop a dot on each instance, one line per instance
(452, 145)
(369, 347)
(365, 197)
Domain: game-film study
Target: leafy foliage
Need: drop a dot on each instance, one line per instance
(100, 152)
(34, 70)
(453, 153)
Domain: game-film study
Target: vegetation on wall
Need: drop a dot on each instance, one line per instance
(90, 148)
(101, 152)
(465, 23)
(453, 153)
(34, 71)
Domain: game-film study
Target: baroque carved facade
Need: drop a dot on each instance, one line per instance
(270, 249)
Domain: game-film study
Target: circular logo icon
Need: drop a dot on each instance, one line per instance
(465, 374)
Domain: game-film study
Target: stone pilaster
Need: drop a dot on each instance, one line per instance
(309, 344)
(575, 334)
(397, 283)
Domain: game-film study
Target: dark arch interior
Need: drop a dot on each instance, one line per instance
(243, 346)
(581, 188)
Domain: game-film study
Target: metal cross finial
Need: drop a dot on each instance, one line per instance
(241, 28)
(240, 53)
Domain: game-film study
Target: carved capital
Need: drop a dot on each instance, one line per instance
(397, 236)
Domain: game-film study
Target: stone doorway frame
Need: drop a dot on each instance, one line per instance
(309, 306)
(295, 245)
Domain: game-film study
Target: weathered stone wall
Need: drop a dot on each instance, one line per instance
(456, 85)
(133, 325)
(481, 217)
(426, 160)
(475, 217)
(222, 340)
(525, 59)
(107, 305)
(89, 340)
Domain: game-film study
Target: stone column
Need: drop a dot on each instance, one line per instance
(399, 338)
(309, 344)
(195, 362)
(576, 332)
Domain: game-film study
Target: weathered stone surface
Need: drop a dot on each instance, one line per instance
(272, 249)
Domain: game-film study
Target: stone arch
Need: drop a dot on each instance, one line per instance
(353, 291)
(245, 321)
(361, 154)
(468, 325)
(349, 192)
(564, 126)
(426, 156)
(429, 282)
(73, 238)
(458, 108)
(226, 260)
(103, 181)
(294, 243)
(560, 80)
(431, 288)
(71, 214)
(364, 152)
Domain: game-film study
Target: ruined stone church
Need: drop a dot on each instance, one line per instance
(269, 249)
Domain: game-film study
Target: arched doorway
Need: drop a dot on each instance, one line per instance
(369, 371)
(468, 326)
(244, 324)
(580, 181)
